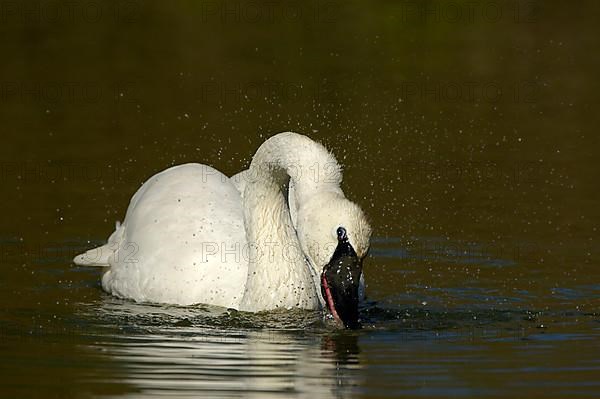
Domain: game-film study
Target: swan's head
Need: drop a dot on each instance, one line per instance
(335, 236)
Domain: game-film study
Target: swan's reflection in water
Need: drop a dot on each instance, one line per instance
(189, 357)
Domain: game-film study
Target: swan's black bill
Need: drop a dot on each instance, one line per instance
(340, 281)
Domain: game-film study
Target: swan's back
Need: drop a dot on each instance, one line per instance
(182, 241)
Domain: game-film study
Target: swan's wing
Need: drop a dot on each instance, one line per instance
(240, 179)
(182, 241)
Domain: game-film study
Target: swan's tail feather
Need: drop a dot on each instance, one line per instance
(94, 257)
(100, 256)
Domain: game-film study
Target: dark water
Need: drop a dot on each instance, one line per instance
(468, 132)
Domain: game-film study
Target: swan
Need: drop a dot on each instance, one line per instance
(280, 234)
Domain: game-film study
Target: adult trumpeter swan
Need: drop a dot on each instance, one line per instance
(289, 238)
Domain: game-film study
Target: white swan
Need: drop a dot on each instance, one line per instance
(287, 239)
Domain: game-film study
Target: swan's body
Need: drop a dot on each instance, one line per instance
(169, 249)
(255, 242)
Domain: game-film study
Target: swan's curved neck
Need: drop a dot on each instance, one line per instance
(278, 273)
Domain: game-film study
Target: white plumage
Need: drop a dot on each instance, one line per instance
(193, 235)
